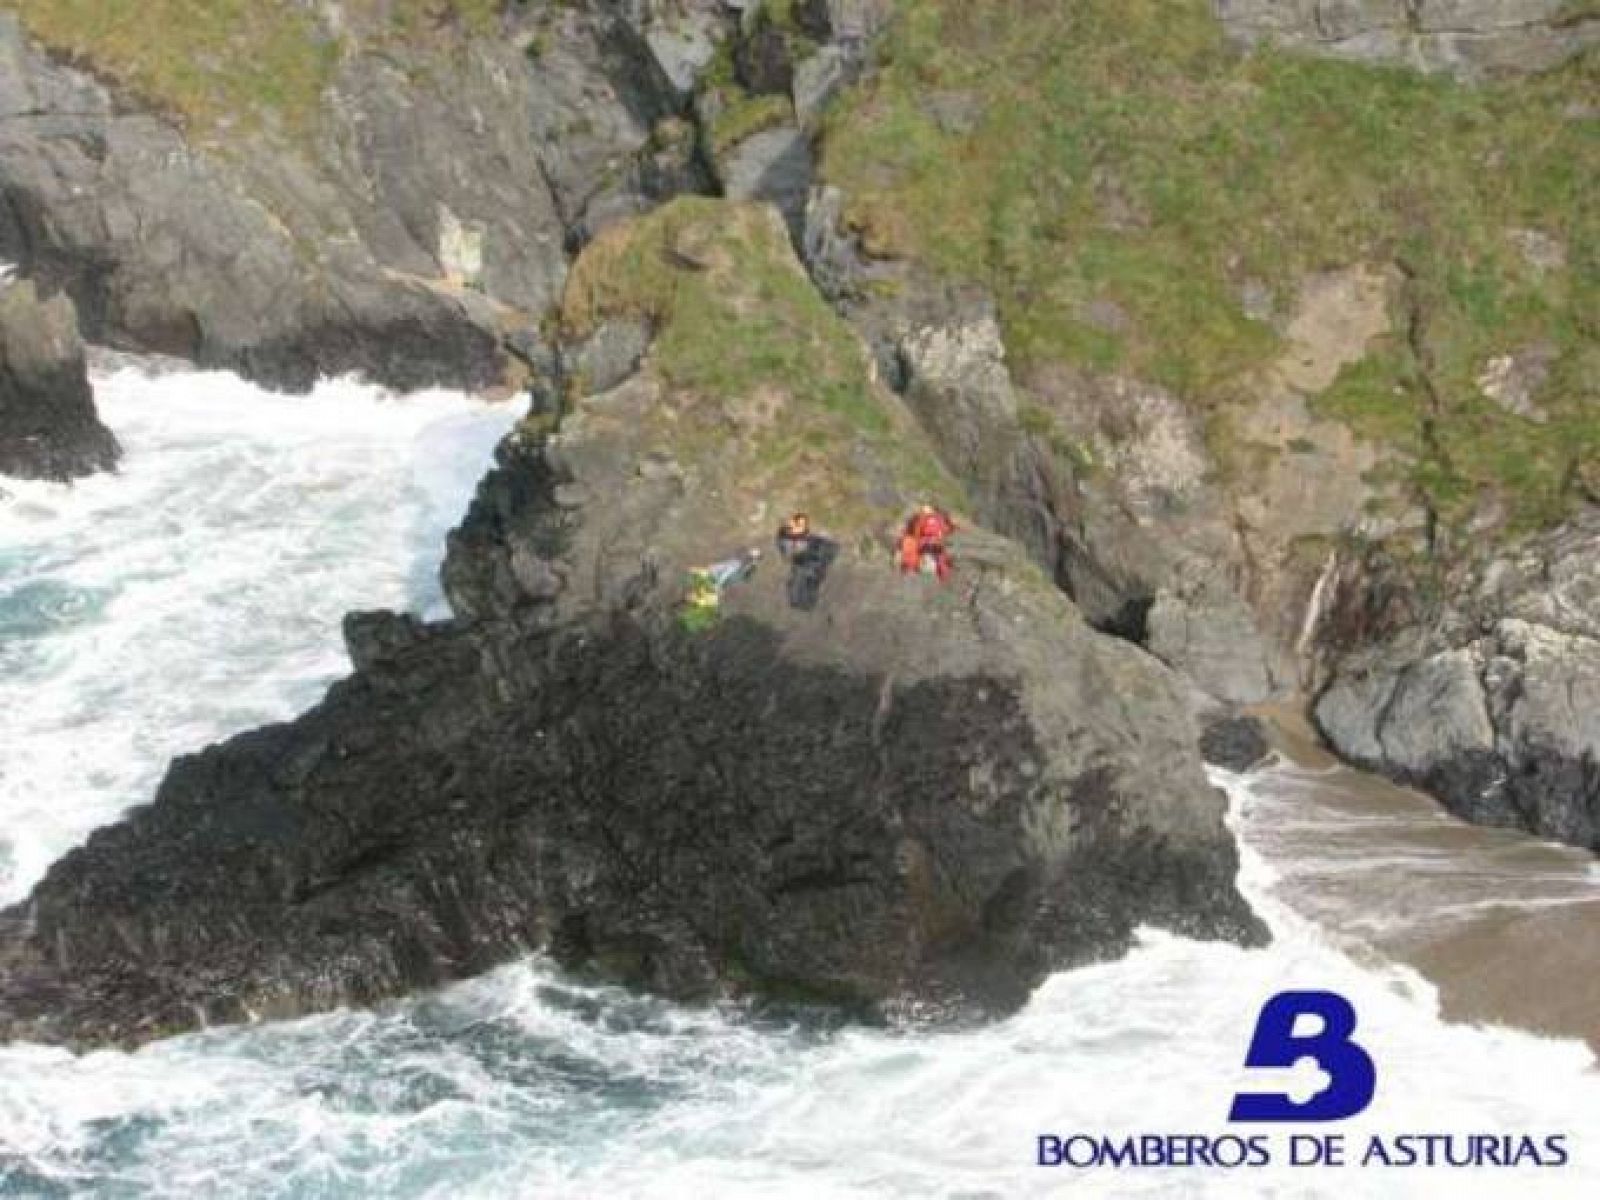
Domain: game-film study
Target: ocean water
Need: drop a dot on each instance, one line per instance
(199, 593)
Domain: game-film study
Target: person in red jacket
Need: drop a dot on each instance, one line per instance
(924, 541)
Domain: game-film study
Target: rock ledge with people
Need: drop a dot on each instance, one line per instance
(905, 798)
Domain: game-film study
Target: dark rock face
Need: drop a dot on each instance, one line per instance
(850, 22)
(676, 816)
(914, 802)
(1235, 743)
(431, 214)
(1493, 702)
(1504, 729)
(764, 59)
(48, 426)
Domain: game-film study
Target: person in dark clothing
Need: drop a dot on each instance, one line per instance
(793, 535)
(809, 554)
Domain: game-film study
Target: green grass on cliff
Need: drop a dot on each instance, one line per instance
(786, 386)
(223, 64)
(1119, 155)
(734, 114)
(743, 116)
(215, 62)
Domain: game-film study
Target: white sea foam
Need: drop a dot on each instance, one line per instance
(519, 1084)
(199, 591)
(202, 594)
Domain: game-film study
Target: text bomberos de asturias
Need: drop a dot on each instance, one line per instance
(1231, 1151)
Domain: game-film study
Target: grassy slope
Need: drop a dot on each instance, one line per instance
(218, 63)
(1124, 152)
(736, 318)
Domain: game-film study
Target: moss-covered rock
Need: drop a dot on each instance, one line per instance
(785, 392)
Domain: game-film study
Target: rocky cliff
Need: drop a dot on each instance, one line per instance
(1215, 331)
(913, 801)
(48, 425)
(1484, 689)
(412, 209)
(389, 188)
(1249, 358)
(1243, 357)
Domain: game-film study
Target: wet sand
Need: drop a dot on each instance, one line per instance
(1506, 926)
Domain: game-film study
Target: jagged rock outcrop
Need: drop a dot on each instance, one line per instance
(1466, 37)
(1493, 703)
(1105, 480)
(48, 425)
(427, 210)
(788, 63)
(914, 801)
(1235, 743)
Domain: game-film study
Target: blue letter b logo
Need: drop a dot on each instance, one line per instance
(1351, 1075)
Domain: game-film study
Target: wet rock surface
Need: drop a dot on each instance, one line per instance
(1234, 742)
(1493, 703)
(48, 425)
(692, 819)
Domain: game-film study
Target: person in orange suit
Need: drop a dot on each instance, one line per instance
(924, 541)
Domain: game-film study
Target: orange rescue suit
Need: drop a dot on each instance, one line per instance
(924, 537)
